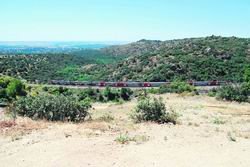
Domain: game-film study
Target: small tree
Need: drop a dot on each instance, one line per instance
(15, 88)
(109, 94)
(153, 110)
(126, 94)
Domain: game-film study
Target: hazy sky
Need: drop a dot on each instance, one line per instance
(121, 20)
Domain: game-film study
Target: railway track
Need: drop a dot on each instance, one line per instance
(132, 84)
(200, 89)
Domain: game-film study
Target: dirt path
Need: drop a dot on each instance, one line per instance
(1, 113)
(205, 137)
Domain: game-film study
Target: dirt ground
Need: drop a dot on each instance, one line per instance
(209, 133)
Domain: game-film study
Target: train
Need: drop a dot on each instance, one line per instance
(132, 83)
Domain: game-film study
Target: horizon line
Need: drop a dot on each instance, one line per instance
(121, 41)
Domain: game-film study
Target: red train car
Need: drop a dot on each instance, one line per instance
(102, 84)
(213, 83)
(147, 84)
(120, 84)
(190, 82)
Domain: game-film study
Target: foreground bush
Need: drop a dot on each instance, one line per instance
(239, 93)
(51, 107)
(176, 87)
(153, 110)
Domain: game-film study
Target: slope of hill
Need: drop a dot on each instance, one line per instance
(209, 58)
(45, 67)
(222, 58)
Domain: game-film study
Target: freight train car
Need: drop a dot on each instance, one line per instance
(133, 84)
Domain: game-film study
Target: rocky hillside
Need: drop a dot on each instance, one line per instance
(133, 49)
(222, 58)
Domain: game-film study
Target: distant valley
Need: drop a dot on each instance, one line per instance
(50, 47)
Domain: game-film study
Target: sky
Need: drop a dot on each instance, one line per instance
(121, 20)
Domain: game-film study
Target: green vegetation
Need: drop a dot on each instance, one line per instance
(106, 95)
(89, 94)
(45, 67)
(51, 107)
(106, 118)
(219, 121)
(212, 92)
(153, 110)
(38, 67)
(247, 74)
(239, 93)
(125, 139)
(56, 103)
(10, 89)
(176, 87)
(210, 58)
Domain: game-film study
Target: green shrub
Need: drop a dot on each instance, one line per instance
(4, 81)
(219, 121)
(58, 91)
(123, 139)
(110, 94)
(247, 74)
(15, 88)
(153, 91)
(10, 88)
(126, 93)
(212, 92)
(176, 87)
(126, 139)
(86, 93)
(246, 88)
(45, 89)
(234, 93)
(51, 107)
(153, 110)
(106, 118)
(3, 93)
(94, 95)
(141, 94)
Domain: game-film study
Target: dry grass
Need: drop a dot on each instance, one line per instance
(7, 124)
(195, 111)
(21, 126)
(208, 129)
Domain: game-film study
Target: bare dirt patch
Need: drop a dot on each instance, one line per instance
(209, 133)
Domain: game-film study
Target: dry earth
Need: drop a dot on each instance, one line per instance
(209, 133)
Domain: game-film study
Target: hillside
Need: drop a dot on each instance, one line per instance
(209, 58)
(222, 58)
(45, 67)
